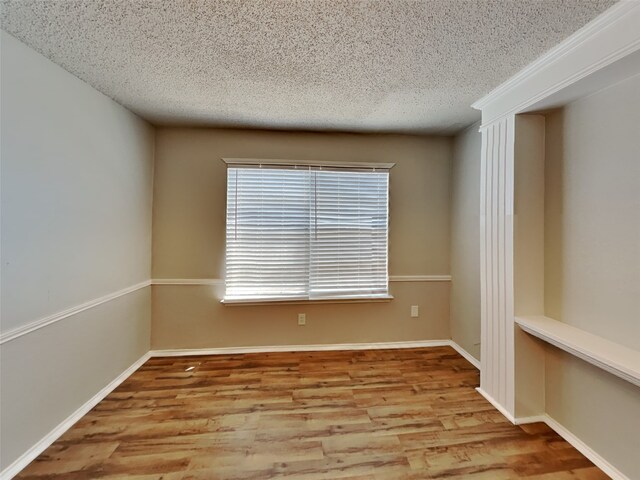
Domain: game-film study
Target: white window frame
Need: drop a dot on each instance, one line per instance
(274, 163)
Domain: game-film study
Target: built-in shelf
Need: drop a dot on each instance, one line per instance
(610, 356)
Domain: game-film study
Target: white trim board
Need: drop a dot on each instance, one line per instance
(560, 50)
(220, 281)
(601, 42)
(56, 317)
(27, 457)
(611, 357)
(306, 163)
(299, 348)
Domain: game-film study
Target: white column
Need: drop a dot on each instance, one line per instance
(496, 264)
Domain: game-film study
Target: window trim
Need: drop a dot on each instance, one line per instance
(302, 301)
(307, 164)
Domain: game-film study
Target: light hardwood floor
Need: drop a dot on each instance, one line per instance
(357, 415)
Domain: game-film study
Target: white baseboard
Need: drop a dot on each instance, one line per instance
(27, 457)
(56, 317)
(498, 407)
(584, 449)
(470, 358)
(531, 419)
(298, 348)
(54, 434)
(578, 444)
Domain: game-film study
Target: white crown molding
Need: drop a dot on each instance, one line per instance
(56, 317)
(573, 41)
(220, 281)
(27, 457)
(621, 39)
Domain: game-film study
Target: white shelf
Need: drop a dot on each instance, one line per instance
(621, 361)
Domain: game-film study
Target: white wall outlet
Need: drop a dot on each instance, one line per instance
(414, 311)
(302, 319)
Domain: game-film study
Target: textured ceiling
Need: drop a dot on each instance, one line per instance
(353, 65)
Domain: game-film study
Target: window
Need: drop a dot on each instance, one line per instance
(306, 232)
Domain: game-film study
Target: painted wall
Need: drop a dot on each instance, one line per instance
(592, 263)
(465, 240)
(76, 194)
(189, 235)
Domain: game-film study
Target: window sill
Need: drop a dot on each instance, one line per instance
(248, 302)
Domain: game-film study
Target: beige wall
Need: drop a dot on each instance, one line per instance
(592, 263)
(189, 233)
(76, 195)
(592, 212)
(465, 240)
(528, 260)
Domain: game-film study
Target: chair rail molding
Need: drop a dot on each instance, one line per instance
(56, 317)
(220, 281)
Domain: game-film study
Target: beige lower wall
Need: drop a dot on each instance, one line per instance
(49, 373)
(592, 214)
(191, 316)
(592, 264)
(465, 240)
(600, 409)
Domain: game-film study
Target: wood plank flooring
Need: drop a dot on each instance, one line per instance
(358, 415)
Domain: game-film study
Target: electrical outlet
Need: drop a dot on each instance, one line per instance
(302, 319)
(414, 311)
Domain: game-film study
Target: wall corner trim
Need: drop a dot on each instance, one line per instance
(56, 317)
(27, 457)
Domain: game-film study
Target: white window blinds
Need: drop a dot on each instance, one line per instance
(305, 232)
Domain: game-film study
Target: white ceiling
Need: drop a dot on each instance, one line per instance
(353, 65)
